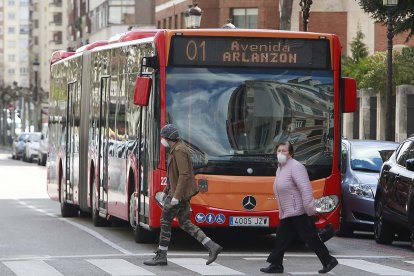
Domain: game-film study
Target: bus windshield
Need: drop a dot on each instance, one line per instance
(239, 114)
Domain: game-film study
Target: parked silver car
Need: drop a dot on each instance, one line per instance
(43, 150)
(19, 145)
(361, 164)
(32, 146)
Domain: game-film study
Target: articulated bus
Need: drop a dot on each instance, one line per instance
(233, 94)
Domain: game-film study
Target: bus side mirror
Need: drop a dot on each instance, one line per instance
(142, 90)
(349, 86)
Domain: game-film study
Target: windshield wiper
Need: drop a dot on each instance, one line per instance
(366, 170)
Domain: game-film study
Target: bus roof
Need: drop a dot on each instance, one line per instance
(59, 55)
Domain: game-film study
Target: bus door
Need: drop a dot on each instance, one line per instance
(103, 143)
(71, 143)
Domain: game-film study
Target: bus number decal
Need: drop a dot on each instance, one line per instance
(164, 181)
(192, 50)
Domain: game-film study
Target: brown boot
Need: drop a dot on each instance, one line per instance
(160, 258)
(213, 249)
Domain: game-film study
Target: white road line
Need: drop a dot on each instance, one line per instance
(117, 267)
(410, 262)
(199, 265)
(308, 273)
(32, 268)
(81, 227)
(374, 268)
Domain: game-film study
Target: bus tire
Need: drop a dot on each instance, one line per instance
(97, 220)
(141, 235)
(67, 210)
(383, 231)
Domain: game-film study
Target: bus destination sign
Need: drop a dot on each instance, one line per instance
(249, 52)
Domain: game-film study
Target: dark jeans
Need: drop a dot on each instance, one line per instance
(286, 232)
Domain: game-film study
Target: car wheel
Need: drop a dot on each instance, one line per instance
(345, 229)
(383, 232)
(412, 237)
(141, 235)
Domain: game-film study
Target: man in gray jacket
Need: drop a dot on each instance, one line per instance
(181, 187)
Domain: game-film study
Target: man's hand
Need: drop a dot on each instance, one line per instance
(174, 201)
(163, 195)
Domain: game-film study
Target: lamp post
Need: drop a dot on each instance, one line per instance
(35, 95)
(229, 24)
(305, 7)
(192, 17)
(390, 4)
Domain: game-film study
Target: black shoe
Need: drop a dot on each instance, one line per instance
(326, 268)
(272, 268)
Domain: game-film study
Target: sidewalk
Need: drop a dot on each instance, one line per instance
(5, 149)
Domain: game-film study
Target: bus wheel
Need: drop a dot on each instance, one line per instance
(141, 235)
(96, 219)
(66, 209)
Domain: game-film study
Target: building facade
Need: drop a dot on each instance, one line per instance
(15, 58)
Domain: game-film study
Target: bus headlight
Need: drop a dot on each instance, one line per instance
(326, 204)
(362, 190)
(160, 200)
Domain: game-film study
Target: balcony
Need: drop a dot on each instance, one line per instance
(56, 3)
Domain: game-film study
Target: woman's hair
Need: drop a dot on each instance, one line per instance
(289, 145)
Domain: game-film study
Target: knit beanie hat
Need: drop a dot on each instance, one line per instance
(170, 132)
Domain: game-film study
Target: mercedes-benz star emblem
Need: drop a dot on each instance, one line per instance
(249, 202)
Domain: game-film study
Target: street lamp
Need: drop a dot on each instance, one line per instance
(305, 7)
(192, 17)
(228, 25)
(390, 4)
(35, 70)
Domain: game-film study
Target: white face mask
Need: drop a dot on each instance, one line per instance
(281, 158)
(164, 143)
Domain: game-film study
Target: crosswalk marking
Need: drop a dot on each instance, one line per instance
(374, 267)
(410, 262)
(117, 267)
(32, 268)
(199, 265)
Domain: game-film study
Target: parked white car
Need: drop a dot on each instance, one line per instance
(32, 146)
(41, 160)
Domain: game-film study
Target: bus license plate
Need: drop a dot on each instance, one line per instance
(249, 221)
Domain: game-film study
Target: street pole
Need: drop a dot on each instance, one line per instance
(35, 96)
(389, 135)
(305, 7)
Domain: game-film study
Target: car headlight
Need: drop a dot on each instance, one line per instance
(326, 204)
(362, 190)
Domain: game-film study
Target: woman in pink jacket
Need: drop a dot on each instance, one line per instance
(293, 192)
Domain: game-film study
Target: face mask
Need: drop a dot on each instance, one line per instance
(281, 158)
(164, 143)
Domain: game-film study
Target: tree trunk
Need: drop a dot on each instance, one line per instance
(285, 7)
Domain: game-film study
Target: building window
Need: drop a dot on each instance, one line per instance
(57, 37)
(245, 18)
(11, 71)
(12, 58)
(11, 16)
(11, 44)
(11, 30)
(11, 2)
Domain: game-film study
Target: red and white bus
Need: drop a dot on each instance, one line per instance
(233, 94)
